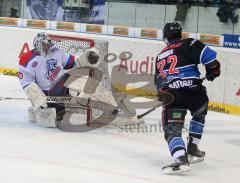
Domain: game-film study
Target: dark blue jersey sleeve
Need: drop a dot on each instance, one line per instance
(202, 54)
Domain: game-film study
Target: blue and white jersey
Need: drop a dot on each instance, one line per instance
(177, 64)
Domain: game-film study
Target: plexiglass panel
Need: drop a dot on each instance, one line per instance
(122, 13)
(10, 8)
(209, 22)
(150, 15)
(196, 16)
(185, 13)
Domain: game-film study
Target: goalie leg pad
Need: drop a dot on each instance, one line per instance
(31, 115)
(46, 117)
(36, 95)
(84, 78)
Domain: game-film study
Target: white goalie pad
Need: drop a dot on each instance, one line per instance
(122, 100)
(46, 117)
(83, 59)
(78, 79)
(31, 115)
(36, 96)
(87, 87)
(76, 85)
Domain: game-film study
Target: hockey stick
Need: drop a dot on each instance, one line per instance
(165, 98)
(13, 98)
(159, 105)
(147, 112)
(67, 100)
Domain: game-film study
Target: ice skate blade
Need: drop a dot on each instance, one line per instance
(195, 159)
(181, 169)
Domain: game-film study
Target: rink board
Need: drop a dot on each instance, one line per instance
(223, 92)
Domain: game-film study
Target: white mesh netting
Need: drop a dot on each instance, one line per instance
(76, 46)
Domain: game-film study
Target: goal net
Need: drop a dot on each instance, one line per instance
(76, 46)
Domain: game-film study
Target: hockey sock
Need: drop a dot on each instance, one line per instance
(196, 129)
(177, 147)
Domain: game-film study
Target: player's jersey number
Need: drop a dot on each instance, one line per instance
(172, 70)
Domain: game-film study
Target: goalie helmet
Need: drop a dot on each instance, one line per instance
(172, 31)
(40, 40)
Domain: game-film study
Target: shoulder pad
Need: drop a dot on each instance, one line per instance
(26, 58)
(54, 48)
(193, 41)
(189, 41)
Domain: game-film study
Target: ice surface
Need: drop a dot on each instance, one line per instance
(31, 154)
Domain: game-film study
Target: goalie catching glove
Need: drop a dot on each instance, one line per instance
(93, 57)
(90, 57)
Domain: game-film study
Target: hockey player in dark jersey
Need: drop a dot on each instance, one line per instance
(177, 73)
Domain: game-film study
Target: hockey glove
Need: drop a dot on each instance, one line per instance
(93, 57)
(165, 97)
(213, 71)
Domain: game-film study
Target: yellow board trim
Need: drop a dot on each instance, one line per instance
(9, 72)
(138, 92)
(224, 108)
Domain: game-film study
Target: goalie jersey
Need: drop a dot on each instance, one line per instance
(45, 71)
(177, 64)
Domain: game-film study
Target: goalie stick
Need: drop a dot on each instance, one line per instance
(70, 101)
(74, 102)
(13, 98)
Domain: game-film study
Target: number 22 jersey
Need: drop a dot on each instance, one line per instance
(177, 64)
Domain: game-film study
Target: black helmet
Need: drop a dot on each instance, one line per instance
(172, 31)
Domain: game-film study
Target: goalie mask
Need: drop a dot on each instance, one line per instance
(172, 31)
(42, 43)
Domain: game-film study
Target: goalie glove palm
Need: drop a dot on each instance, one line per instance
(90, 57)
(93, 57)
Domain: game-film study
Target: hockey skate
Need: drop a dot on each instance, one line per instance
(194, 154)
(181, 164)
